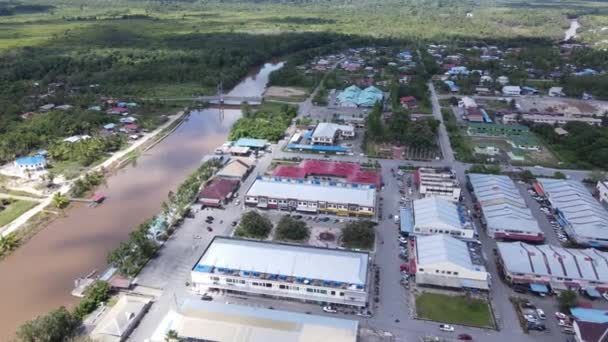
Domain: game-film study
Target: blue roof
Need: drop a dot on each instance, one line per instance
(407, 222)
(30, 160)
(590, 315)
(109, 126)
(539, 288)
(249, 142)
(323, 148)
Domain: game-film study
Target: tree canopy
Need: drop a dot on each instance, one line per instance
(290, 228)
(254, 225)
(359, 234)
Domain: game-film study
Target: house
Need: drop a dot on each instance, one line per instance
(502, 80)
(473, 114)
(95, 108)
(239, 151)
(444, 261)
(560, 131)
(130, 128)
(217, 192)
(301, 273)
(109, 127)
(127, 120)
(32, 163)
(482, 91)
(467, 102)
(349, 66)
(556, 91)
(234, 169)
(408, 102)
(47, 107)
(590, 331)
(64, 107)
(511, 91)
(458, 70)
(118, 110)
(76, 138)
(121, 319)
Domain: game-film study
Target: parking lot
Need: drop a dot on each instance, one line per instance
(541, 211)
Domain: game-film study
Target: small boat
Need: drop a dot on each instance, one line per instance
(98, 197)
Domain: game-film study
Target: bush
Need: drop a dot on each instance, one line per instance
(254, 225)
(566, 300)
(289, 228)
(359, 234)
(57, 325)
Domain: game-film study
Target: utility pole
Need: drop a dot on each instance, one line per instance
(220, 94)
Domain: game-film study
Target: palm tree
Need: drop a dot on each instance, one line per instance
(172, 336)
(60, 201)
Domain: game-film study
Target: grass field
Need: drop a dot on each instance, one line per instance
(14, 210)
(454, 309)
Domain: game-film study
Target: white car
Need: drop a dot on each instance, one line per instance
(560, 315)
(541, 314)
(329, 309)
(605, 295)
(446, 327)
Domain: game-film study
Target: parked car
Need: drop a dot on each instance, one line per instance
(446, 327)
(528, 305)
(605, 295)
(465, 337)
(210, 218)
(209, 229)
(234, 223)
(560, 315)
(206, 297)
(329, 309)
(541, 314)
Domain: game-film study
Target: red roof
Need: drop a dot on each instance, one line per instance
(539, 189)
(407, 99)
(118, 110)
(219, 188)
(321, 168)
(131, 127)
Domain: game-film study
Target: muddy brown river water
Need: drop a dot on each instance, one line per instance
(39, 276)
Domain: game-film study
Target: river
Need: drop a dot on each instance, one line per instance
(39, 276)
(571, 31)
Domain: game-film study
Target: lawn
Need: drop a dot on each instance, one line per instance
(14, 210)
(454, 309)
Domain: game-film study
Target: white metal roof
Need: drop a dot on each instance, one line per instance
(362, 196)
(212, 321)
(288, 260)
(440, 248)
(502, 204)
(436, 212)
(328, 130)
(587, 216)
(585, 264)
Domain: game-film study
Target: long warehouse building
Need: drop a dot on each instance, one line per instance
(503, 211)
(557, 267)
(310, 274)
(436, 215)
(584, 219)
(310, 197)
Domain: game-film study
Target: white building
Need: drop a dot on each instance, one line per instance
(197, 320)
(503, 80)
(307, 196)
(503, 211)
(556, 91)
(434, 215)
(327, 133)
(444, 261)
(31, 164)
(437, 183)
(467, 102)
(511, 90)
(303, 273)
(584, 219)
(560, 268)
(551, 119)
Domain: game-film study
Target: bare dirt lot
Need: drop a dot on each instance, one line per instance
(560, 105)
(285, 92)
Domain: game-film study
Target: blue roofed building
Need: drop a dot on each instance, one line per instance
(258, 144)
(353, 96)
(31, 164)
(590, 315)
(406, 223)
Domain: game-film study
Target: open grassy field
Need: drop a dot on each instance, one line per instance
(454, 309)
(14, 210)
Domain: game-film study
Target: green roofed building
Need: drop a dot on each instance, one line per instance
(524, 142)
(486, 129)
(353, 96)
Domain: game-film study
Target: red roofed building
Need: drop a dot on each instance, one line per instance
(117, 110)
(349, 172)
(408, 102)
(474, 114)
(217, 192)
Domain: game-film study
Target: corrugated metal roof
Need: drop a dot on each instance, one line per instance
(440, 248)
(586, 215)
(436, 212)
(214, 321)
(328, 130)
(311, 192)
(288, 260)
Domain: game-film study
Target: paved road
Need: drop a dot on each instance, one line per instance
(444, 140)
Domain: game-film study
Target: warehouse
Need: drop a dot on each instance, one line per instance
(584, 219)
(435, 215)
(303, 273)
(444, 261)
(197, 320)
(551, 266)
(311, 197)
(437, 183)
(503, 211)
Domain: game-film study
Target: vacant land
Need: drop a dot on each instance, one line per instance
(454, 309)
(13, 209)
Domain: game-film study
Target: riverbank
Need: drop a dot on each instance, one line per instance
(108, 165)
